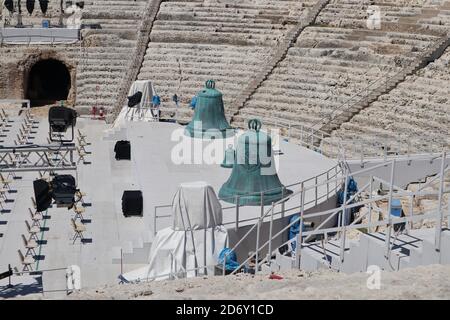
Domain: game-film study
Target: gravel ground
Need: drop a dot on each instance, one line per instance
(430, 282)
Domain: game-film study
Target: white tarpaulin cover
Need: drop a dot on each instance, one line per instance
(195, 206)
(188, 243)
(141, 111)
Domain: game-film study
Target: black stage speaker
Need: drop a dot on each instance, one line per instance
(42, 195)
(123, 150)
(64, 188)
(132, 203)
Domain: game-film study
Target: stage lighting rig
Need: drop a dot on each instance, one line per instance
(60, 118)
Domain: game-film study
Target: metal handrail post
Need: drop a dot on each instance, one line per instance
(389, 211)
(154, 223)
(328, 184)
(343, 222)
(236, 227)
(409, 225)
(269, 254)
(257, 246)
(370, 203)
(283, 204)
(440, 213)
(299, 240)
(315, 190)
(262, 203)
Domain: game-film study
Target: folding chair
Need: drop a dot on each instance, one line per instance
(82, 136)
(29, 116)
(3, 194)
(44, 177)
(21, 139)
(26, 261)
(6, 182)
(36, 218)
(82, 144)
(78, 228)
(34, 203)
(81, 155)
(15, 160)
(33, 231)
(4, 115)
(78, 212)
(30, 245)
(79, 197)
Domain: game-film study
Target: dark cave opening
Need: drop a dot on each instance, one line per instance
(48, 81)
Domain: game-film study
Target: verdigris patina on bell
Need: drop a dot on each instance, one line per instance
(254, 179)
(209, 118)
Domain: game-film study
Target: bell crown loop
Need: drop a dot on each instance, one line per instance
(210, 84)
(254, 124)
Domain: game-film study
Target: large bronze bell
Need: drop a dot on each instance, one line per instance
(209, 118)
(254, 179)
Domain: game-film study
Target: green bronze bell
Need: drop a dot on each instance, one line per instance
(228, 160)
(254, 179)
(209, 118)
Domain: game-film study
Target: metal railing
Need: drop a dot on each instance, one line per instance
(365, 93)
(331, 186)
(37, 39)
(344, 226)
(17, 101)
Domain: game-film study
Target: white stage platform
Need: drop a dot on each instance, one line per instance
(104, 179)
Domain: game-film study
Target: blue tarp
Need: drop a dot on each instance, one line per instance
(294, 230)
(231, 263)
(352, 189)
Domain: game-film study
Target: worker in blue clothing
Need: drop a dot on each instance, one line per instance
(156, 102)
(193, 102)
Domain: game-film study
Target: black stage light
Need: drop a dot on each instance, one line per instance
(9, 4)
(135, 99)
(42, 194)
(30, 6)
(60, 119)
(63, 189)
(44, 5)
